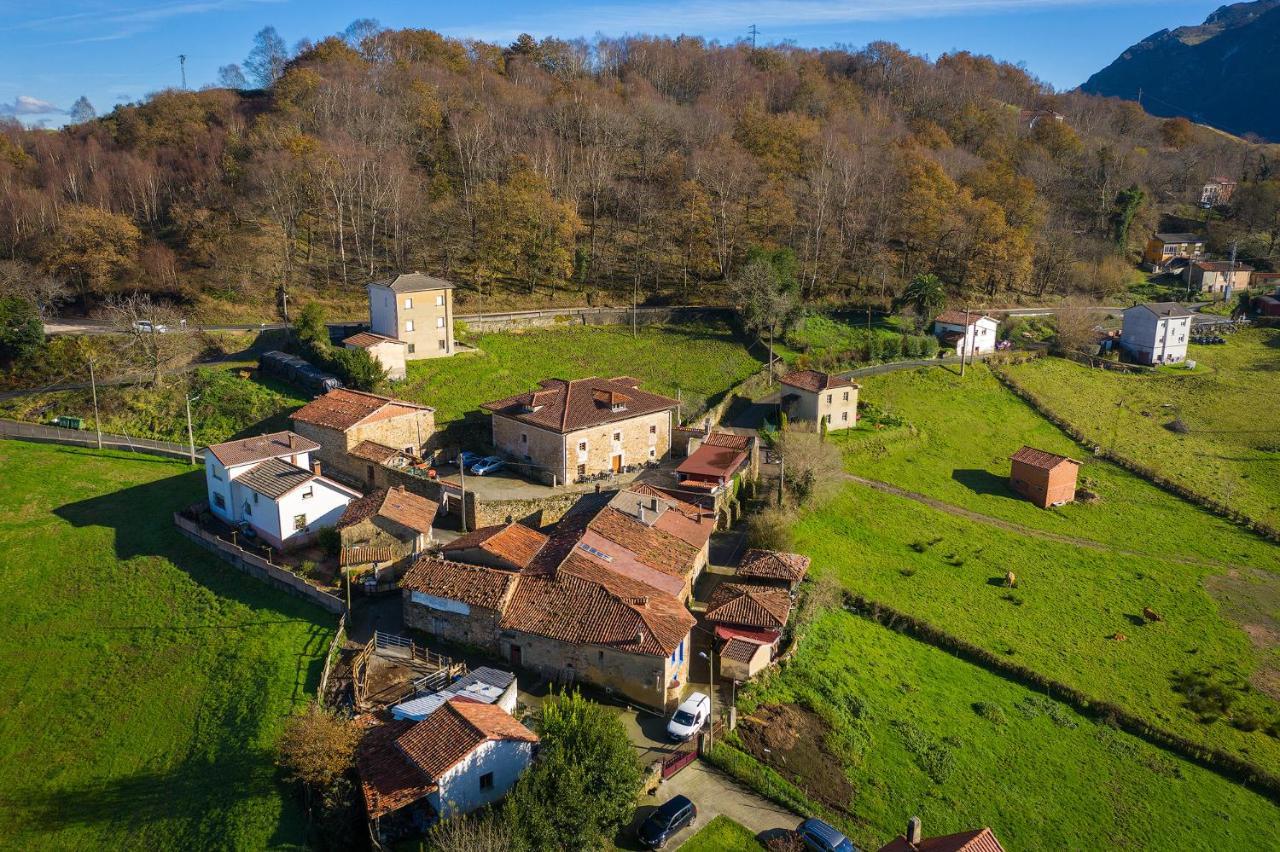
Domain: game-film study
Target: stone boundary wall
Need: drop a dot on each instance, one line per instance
(563, 317)
(88, 438)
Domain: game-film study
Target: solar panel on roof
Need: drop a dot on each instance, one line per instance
(599, 554)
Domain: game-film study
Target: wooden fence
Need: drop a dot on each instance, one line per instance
(339, 637)
(256, 566)
(89, 438)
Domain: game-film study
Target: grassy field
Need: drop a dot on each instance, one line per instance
(1085, 571)
(722, 835)
(700, 363)
(1231, 451)
(919, 732)
(144, 682)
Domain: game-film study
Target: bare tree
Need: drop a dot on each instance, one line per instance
(149, 328)
(1077, 330)
(267, 59)
(46, 292)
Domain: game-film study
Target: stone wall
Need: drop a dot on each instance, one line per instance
(478, 629)
(563, 317)
(538, 512)
(640, 678)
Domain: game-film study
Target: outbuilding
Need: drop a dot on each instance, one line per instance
(1046, 479)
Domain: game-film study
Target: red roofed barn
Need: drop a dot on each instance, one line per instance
(1046, 479)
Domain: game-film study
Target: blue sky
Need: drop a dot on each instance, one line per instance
(115, 51)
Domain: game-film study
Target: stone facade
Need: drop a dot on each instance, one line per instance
(378, 531)
(596, 449)
(452, 621)
(413, 432)
(838, 406)
(644, 679)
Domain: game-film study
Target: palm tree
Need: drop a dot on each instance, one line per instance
(926, 295)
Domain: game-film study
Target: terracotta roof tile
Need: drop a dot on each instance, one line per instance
(367, 339)
(773, 565)
(728, 439)
(982, 840)
(687, 522)
(565, 406)
(372, 451)
(659, 550)
(473, 585)
(1040, 458)
(343, 408)
(750, 606)
(437, 743)
(261, 447)
(814, 381)
(365, 554)
(514, 543)
(741, 649)
(408, 509)
(388, 780)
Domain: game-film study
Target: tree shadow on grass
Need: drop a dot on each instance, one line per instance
(983, 482)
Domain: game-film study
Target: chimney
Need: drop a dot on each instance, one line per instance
(639, 637)
(315, 468)
(914, 832)
(640, 510)
(289, 439)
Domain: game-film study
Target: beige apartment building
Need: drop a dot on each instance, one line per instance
(817, 397)
(574, 429)
(416, 309)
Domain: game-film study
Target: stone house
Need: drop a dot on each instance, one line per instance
(743, 657)
(1044, 478)
(353, 427)
(1167, 252)
(417, 310)
(772, 568)
(387, 351)
(389, 517)
(974, 334)
(816, 397)
(455, 602)
(575, 429)
(1156, 333)
(460, 758)
(509, 546)
(271, 483)
(1216, 277)
(749, 606)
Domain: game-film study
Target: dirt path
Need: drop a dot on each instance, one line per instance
(978, 517)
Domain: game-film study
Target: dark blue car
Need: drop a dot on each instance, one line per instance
(821, 837)
(663, 823)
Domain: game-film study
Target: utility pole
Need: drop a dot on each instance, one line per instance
(93, 383)
(1231, 275)
(964, 343)
(635, 297)
(782, 478)
(182, 63)
(754, 32)
(462, 475)
(191, 441)
(1139, 96)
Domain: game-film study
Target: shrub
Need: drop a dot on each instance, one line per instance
(993, 713)
(330, 540)
(771, 529)
(317, 747)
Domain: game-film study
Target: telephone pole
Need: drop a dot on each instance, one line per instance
(1231, 275)
(191, 440)
(964, 343)
(182, 63)
(93, 383)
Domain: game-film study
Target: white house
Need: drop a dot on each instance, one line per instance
(1156, 332)
(975, 335)
(269, 482)
(461, 757)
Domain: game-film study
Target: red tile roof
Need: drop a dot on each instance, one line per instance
(514, 543)
(565, 406)
(712, 460)
(388, 781)
(343, 408)
(372, 451)
(367, 339)
(1222, 266)
(442, 740)
(741, 648)
(261, 447)
(395, 504)
(583, 603)
(365, 554)
(957, 318)
(982, 840)
(687, 522)
(773, 565)
(814, 381)
(1039, 458)
(750, 606)
(489, 588)
(728, 439)
(659, 550)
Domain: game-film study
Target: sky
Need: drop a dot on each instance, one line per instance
(118, 51)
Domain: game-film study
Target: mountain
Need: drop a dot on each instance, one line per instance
(1225, 72)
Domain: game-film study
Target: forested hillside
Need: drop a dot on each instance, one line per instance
(560, 171)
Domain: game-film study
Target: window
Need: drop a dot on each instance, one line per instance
(844, 416)
(486, 781)
(219, 501)
(617, 436)
(216, 474)
(653, 430)
(582, 470)
(582, 446)
(408, 325)
(307, 493)
(255, 496)
(827, 417)
(828, 399)
(439, 301)
(439, 322)
(846, 396)
(652, 452)
(299, 523)
(408, 303)
(444, 344)
(410, 348)
(524, 438)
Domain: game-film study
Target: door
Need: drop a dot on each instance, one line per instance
(515, 655)
(616, 462)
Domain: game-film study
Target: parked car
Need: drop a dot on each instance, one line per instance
(689, 717)
(488, 464)
(821, 837)
(663, 823)
(466, 459)
(148, 325)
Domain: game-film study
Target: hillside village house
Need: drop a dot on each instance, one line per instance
(271, 484)
(1046, 479)
(815, 397)
(1165, 252)
(385, 526)
(772, 568)
(461, 757)
(971, 335)
(1215, 277)
(712, 466)
(356, 431)
(1156, 332)
(387, 351)
(575, 429)
(511, 546)
(1217, 190)
(417, 310)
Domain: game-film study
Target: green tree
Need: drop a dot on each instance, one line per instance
(356, 367)
(21, 332)
(310, 329)
(583, 787)
(1127, 205)
(926, 295)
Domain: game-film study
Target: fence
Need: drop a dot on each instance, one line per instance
(552, 317)
(86, 438)
(677, 760)
(339, 636)
(256, 566)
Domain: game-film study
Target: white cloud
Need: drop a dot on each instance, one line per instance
(27, 105)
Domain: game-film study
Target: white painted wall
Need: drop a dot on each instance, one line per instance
(218, 481)
(978, 339)
(439, 604)
(460, 791)
(382, 311)
(1153, 339)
